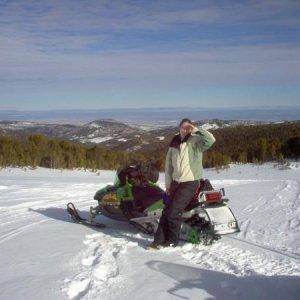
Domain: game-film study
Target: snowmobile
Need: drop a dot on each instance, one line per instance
(135, 197)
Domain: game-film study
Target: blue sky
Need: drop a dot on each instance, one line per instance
(107, 54)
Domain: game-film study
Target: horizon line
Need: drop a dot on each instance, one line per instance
(153, 108)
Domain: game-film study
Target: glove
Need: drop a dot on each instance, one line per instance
(166, 199)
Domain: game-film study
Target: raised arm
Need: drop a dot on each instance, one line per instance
(204, 139)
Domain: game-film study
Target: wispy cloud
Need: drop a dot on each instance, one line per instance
(108, 45)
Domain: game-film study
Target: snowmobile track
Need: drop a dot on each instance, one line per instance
(16, 232)
(284, 254)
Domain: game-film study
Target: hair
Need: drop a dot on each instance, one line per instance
(185, 120)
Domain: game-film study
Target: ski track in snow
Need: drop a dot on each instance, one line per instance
(284, 201)
(13, 233)
(267, 207)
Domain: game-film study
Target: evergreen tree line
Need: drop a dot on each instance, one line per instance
(247, 144)
(37, 150)
(259, 143)
(255, 144)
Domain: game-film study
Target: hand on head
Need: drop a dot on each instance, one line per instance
(186, 127)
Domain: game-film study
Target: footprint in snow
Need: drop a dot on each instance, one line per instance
(78, 288)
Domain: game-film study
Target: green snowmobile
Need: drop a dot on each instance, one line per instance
(136, 198)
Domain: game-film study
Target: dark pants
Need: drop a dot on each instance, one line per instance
(145, 196)
(170, 222)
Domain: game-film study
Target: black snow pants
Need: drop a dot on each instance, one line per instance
(170, 222)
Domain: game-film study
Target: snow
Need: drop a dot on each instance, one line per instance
(45, 256)
(161, 138)
(122, 140)
(19, 125)
(97, 140)
(78, 287)
(208, 126)
(94, 125)
(135, 148)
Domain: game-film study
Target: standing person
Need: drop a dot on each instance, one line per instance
(183, 171)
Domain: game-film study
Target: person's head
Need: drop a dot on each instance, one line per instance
(184, 127)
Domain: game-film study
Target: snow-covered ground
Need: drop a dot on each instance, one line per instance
(45, 256)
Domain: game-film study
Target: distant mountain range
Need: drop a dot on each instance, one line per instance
(108, 132)
(151, 118)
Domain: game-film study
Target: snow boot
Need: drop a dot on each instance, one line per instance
(168, 244)
(154, 246)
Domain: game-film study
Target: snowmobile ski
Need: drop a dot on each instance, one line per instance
(72, 211)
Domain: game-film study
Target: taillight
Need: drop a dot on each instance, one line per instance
(213, 196)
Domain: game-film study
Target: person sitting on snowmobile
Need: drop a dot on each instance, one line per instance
(183, 171)
(140, 176)
(138, 173)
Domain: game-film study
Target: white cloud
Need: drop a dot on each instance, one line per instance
(49, 44)
(224, 65)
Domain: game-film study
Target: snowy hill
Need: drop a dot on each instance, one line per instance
(45, 256)
(110, 133)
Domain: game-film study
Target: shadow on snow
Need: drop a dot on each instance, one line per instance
(227, 286)
(114, 228)
(217, 284)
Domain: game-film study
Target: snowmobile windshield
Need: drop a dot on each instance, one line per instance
(116, 180)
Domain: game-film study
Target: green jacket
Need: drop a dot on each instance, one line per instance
(184, 157)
